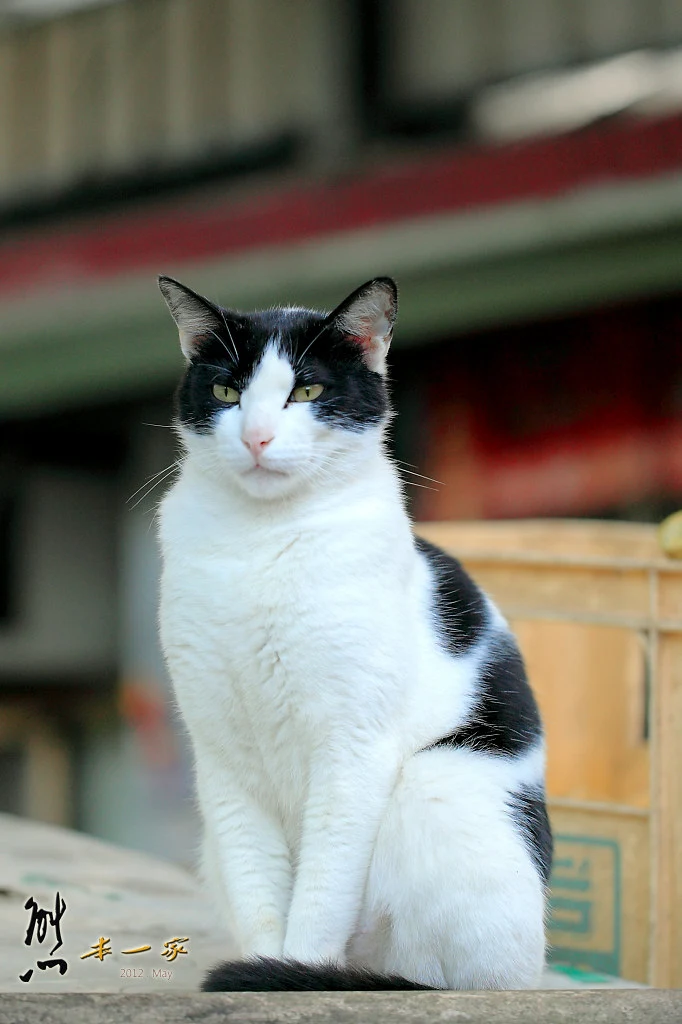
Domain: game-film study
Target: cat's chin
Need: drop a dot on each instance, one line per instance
(260, 482)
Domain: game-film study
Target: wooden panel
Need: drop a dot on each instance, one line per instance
(577, 539)
(207, 53)
(600, 890)
(590, 682)
(670, 597)
(611, 596)
(667, 815)
(27, 107)
(84, 131)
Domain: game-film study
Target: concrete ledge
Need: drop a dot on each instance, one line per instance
(631, 1006)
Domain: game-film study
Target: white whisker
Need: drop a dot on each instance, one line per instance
(424, 487)
(149, 480)
(421, 475)
(306, 349)
(229, 334)
(158, 479)
(218, 338)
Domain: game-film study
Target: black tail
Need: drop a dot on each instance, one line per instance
(260, 974)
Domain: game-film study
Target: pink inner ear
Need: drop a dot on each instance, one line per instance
(364, 340)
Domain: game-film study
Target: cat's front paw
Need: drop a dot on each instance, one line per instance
(305, 952)
(269, 946)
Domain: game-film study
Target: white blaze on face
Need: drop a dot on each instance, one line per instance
(263, 401)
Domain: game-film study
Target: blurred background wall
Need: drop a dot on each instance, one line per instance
(516, 166)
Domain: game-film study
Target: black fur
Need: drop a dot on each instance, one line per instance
(260, 974)
(459, 609)
(354, 396)
(530, 815)
(505, 719)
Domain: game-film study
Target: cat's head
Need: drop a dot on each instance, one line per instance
(278, 399)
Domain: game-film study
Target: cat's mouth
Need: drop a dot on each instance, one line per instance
(258, 470)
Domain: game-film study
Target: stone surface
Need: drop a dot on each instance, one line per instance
(124, 896)
(632, 1006)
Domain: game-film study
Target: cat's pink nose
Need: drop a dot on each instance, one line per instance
(256, 443)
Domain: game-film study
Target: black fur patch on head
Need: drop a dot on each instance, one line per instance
(260, 974)
(354, 396)
(529, 813)
(459, 609)
(505, 718)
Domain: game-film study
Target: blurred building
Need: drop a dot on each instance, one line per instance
(518, 169)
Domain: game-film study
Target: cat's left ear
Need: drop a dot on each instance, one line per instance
(367, 317)
(194, 315)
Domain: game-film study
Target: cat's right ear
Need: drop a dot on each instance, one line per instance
(367, 317)
(194, 315)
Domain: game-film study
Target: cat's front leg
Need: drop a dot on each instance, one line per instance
(348, 794)
(249, 859)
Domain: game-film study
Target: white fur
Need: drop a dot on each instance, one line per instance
(295, 622)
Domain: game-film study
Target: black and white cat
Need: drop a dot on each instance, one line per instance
(369, 756)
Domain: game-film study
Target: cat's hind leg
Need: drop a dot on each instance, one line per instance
(454, 891)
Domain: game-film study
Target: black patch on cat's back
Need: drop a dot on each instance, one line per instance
(529, 814)
(458, 605)
(505, 718)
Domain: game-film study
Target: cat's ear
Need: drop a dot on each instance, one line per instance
(194, 315)
(367, 317)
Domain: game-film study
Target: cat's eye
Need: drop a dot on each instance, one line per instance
(225, 394)
(307, 393)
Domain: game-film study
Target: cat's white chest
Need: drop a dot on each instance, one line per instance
(270, 636)
(233, 628)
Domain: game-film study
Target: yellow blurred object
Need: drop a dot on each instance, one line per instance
(670, 535)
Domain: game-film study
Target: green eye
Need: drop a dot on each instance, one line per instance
(308, 393)
(224, 394)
